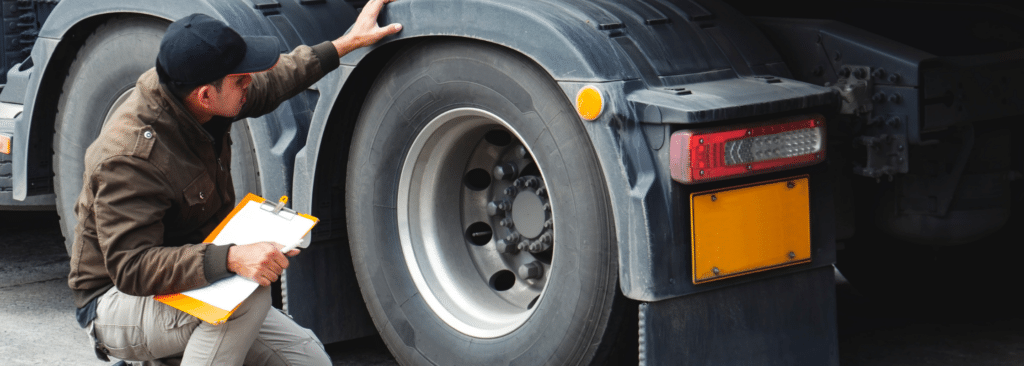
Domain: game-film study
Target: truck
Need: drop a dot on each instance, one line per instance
(578, 182)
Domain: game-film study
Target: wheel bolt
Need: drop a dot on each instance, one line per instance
(521, 152)
(505, 247)
(531, 271)
(496, 208)
(505, 171)
(511, 191)
(513, 238)
(533, 182)
(506, 222)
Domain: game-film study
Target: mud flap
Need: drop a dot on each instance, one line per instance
(786, 320)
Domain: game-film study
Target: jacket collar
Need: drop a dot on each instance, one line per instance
(158, 98)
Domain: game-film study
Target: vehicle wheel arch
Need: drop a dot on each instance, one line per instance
(43, 111)
(330, 139)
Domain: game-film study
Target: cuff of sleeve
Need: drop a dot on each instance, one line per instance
(328, 56)
(215, 262)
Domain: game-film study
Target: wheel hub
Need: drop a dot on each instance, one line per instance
(528, 218)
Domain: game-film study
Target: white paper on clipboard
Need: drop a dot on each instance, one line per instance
(253, 221)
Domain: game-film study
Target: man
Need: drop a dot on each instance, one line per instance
(157, 183)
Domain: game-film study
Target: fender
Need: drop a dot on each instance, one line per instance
(637, 52)
(276, 136)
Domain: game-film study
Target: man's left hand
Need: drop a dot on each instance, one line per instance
(365, 30)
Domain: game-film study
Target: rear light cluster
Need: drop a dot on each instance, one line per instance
(698, 156)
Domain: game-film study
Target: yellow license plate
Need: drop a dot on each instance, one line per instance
(752, 228)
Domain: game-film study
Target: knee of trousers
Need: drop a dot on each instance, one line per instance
(256, 305)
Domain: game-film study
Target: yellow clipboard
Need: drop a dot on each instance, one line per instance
(253, 220)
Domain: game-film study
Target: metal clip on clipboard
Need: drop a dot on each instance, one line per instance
(278, 208)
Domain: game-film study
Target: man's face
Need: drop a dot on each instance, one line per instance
(231, 97)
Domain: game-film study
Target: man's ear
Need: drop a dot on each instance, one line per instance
(204, 96)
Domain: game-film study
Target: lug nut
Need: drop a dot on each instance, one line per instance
(878, 73)
(533, 182)
(513, 238)
(531, 271)
(860, 73)
(520, 183)
(496, 208)
(895, 98)
(505, 171)
(893, 78)
(505, 247)
(548, 224)
(878, 97)
(506, 222)
(844, 72)
(542, 191)
(511, 191)
(521, 152)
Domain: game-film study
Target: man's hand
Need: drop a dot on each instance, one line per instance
(261, 262)
(365, 30)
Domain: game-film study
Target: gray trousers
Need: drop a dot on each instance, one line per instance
(135, 328)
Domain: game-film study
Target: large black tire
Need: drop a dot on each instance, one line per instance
(101, 77)
(425, 247)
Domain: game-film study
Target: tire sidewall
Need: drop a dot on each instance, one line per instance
(430, 79)
(108, 64)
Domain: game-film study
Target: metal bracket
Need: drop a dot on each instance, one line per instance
(855, 89)
(887, 155)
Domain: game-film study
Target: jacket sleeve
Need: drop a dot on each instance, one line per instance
(132, 197)
(293, 73)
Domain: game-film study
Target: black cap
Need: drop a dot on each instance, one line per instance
(198, 50)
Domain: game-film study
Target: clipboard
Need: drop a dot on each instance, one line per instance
(254, 220)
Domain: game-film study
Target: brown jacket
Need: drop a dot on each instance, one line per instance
(154, 186)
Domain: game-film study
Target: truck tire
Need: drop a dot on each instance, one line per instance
(99, 80)
(435, 209)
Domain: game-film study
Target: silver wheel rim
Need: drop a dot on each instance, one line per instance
(443, 222)
(117, 104)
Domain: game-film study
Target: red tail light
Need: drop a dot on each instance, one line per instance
(698, 156)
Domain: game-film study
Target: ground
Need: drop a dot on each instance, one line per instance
(37, 323)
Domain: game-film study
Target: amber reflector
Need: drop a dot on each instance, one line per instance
(5, 144)
(589, 103)
(751, 228)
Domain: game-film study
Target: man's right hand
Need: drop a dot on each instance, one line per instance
(262, 262)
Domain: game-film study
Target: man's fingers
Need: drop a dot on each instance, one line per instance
(279, 259)
(372, 9)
